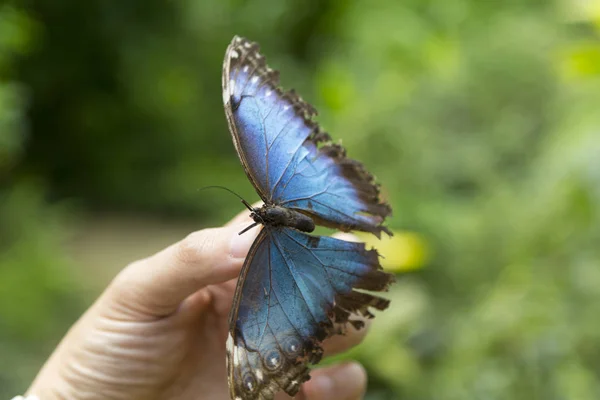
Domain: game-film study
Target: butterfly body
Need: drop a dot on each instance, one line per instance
(294, 289)
(272, 215)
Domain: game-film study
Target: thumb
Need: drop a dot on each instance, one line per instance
(155, 286)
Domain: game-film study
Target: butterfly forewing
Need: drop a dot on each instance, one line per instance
(286, 155)
(265, 127)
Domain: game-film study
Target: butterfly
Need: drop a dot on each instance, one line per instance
(294, 289)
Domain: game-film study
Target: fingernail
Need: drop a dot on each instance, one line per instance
(240, 244)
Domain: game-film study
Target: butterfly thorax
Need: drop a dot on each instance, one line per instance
(274, 215)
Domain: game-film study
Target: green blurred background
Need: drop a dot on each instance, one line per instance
(480, 118)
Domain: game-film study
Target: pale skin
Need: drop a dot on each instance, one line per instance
(158, 331)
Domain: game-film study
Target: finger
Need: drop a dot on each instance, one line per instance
(351, 338)
(349, 237)
(157, 285)
(341, 382)
(195, 305)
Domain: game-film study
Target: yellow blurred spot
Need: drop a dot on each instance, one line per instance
(405, 251)
(581, 60)
(582, 11)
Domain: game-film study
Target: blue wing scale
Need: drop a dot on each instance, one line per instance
(287, 156)
(295, 289)
(292, 295)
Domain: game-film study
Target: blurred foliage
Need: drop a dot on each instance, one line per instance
(479, 118)
(37, 301)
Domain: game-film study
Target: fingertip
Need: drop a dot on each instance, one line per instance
(351, 338)
(344, 381)
(240, 244)
(158, 284)
(349, 237)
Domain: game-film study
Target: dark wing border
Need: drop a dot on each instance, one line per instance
(242, 52)
(234, 56)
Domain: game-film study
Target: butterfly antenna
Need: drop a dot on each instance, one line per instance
(246, 229)
(244, 202)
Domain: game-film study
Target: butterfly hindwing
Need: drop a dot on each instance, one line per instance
(287, 157)
(294, 291)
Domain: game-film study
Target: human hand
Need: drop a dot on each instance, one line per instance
(158, 331)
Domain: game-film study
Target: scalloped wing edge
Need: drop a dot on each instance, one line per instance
(242, 51)
(354, 303)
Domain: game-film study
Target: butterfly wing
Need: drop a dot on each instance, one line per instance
(287, 157)
(294, 291)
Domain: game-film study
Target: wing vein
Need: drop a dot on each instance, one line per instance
(323, 264)
(277, 245)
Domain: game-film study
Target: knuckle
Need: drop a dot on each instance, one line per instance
(193, 247)
(127, 276)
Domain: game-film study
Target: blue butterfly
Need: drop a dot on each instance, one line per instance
(294, 289)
